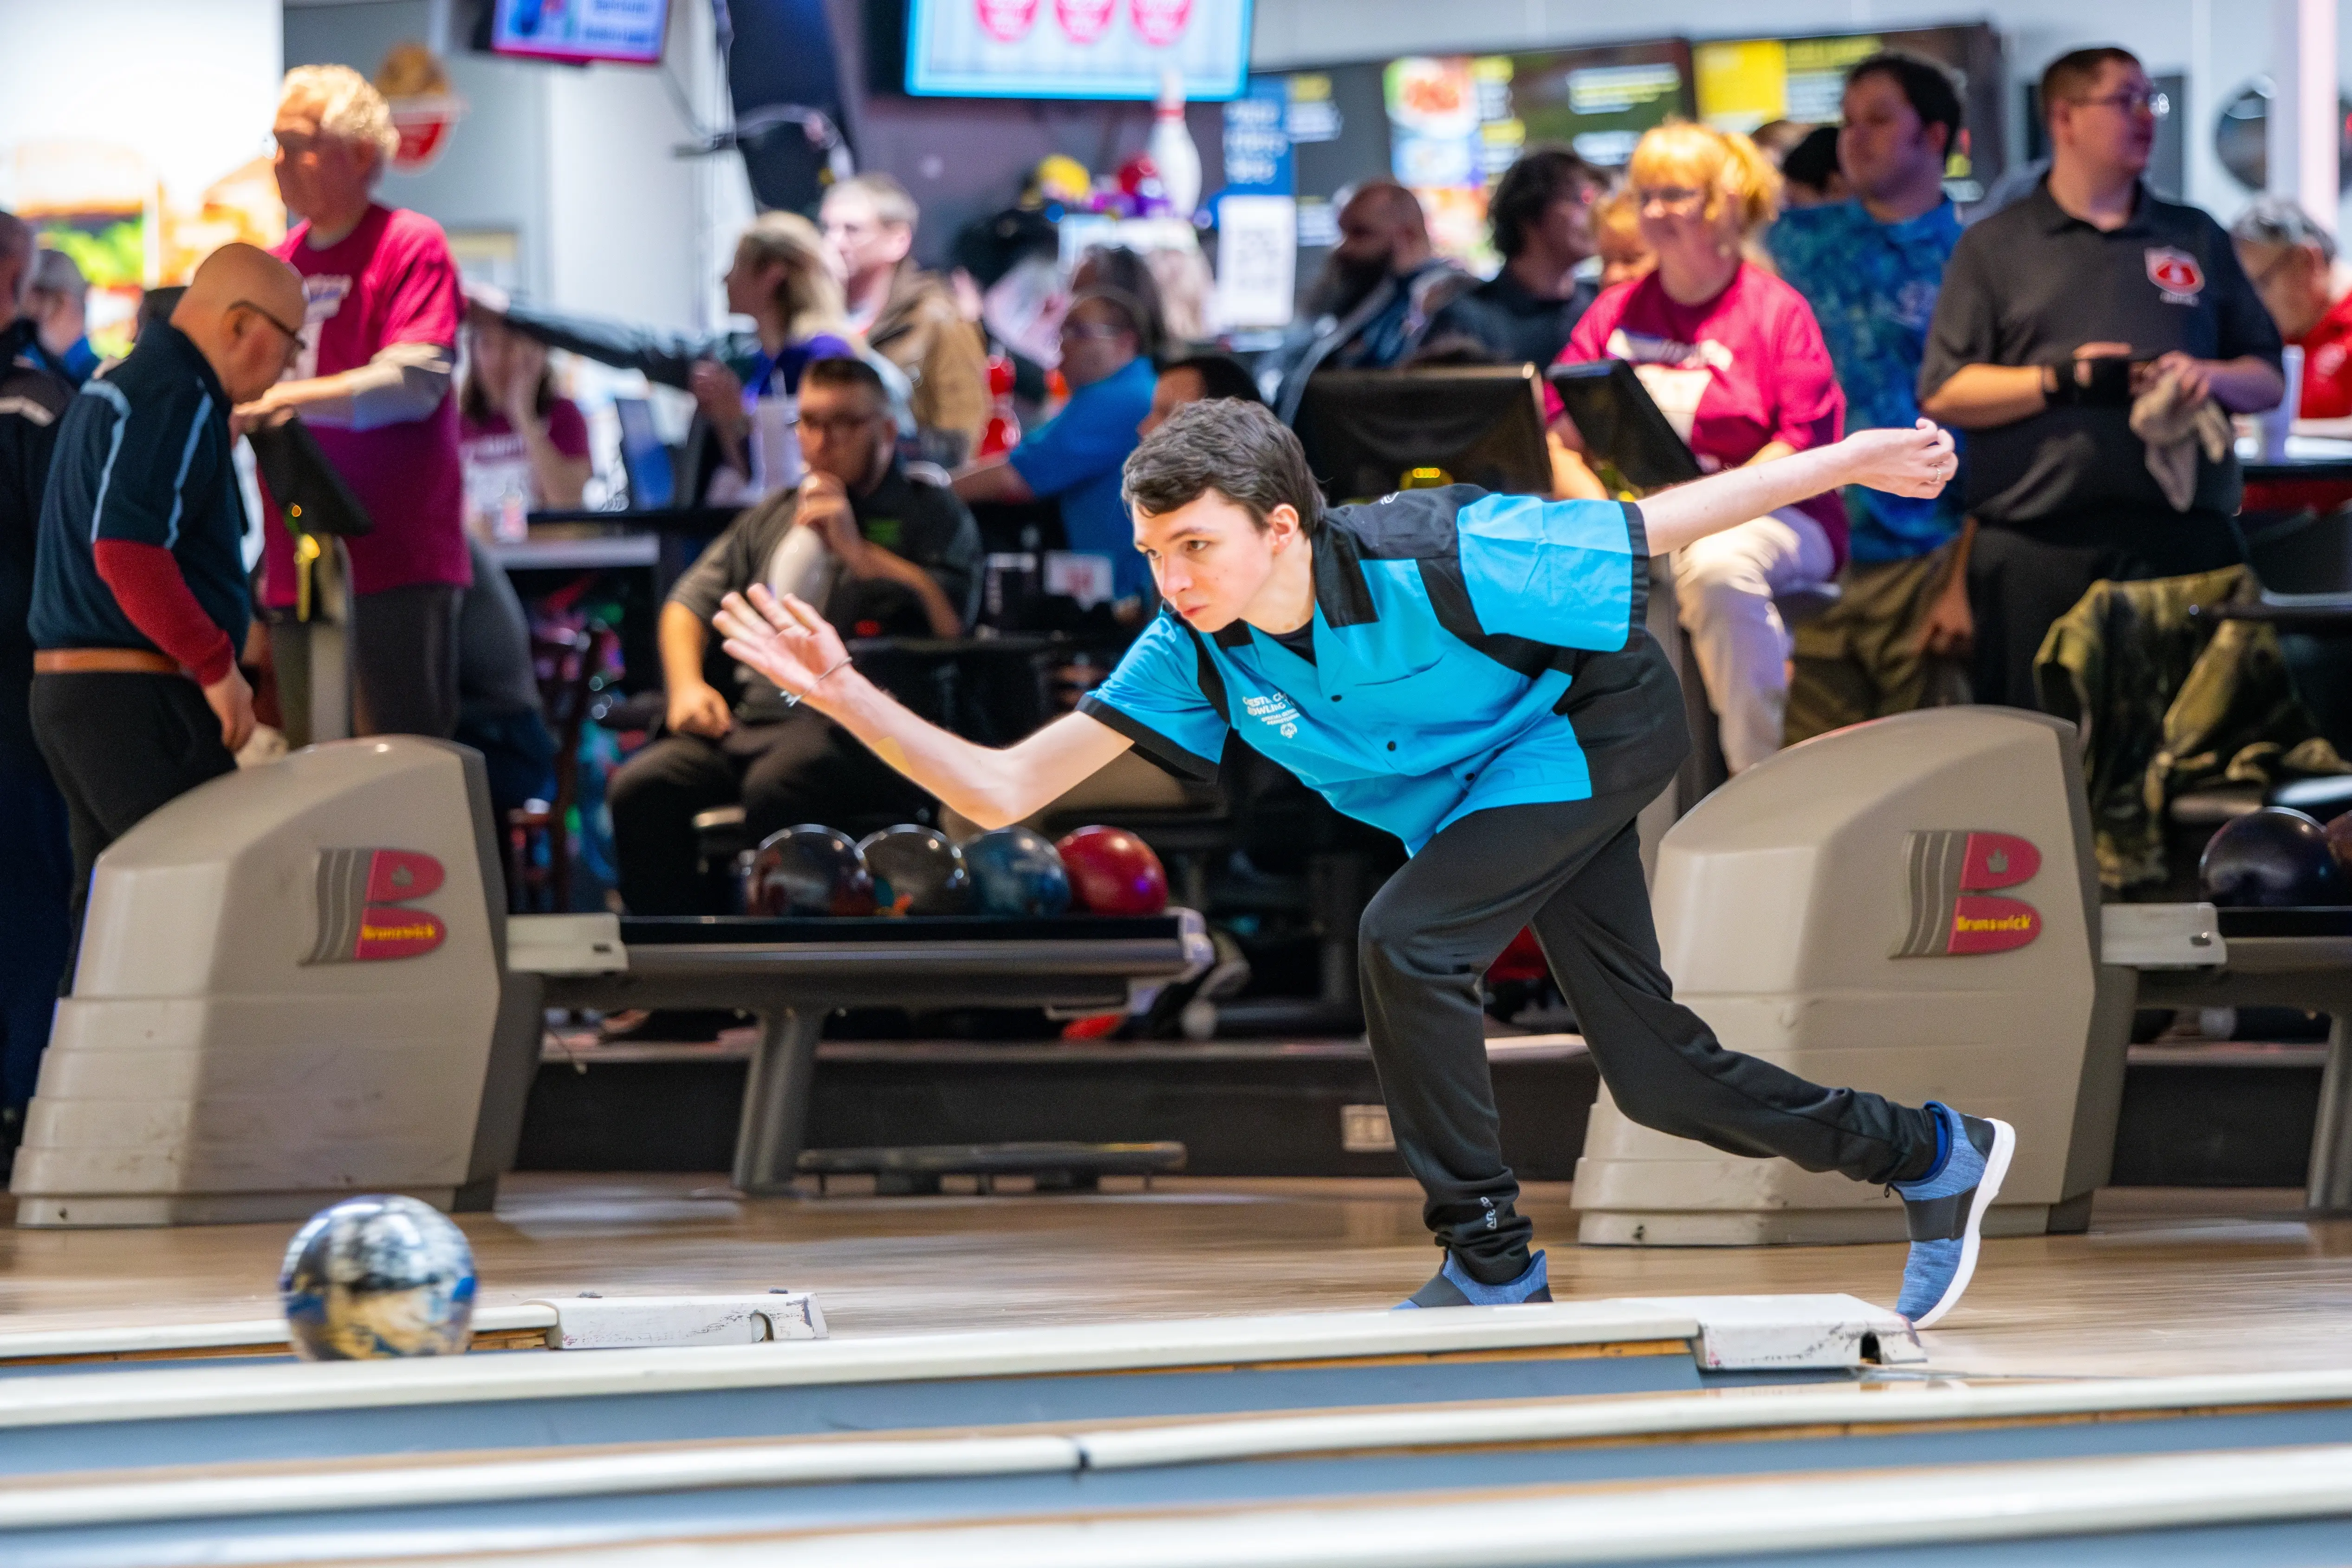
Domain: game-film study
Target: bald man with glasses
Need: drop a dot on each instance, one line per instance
(140, 603)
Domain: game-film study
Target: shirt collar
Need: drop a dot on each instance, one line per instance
(168, 340)
(2056, 219)
(1342, 596)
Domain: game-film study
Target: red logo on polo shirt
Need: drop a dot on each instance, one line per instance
(2176, 274)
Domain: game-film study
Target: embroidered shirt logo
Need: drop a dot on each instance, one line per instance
(2176, 275)
(1276, 710)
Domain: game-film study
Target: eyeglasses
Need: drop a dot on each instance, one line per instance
(295, 333)
(1672, 198)
(2132, 101)
(1099, 332)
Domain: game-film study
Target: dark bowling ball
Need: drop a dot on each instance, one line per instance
(808, 870)
(1113, 872)
(916, 871)
(1016, 872)
(2340, 844)
(2274, 857)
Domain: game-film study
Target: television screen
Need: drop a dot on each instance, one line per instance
(577, 31)
(1076, 48)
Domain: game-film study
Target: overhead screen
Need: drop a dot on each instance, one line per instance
(1076, 48)
(625, 32)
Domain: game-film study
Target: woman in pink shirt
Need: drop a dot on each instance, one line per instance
(1734, 357)
(522, 448)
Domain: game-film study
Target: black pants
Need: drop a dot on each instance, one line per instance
(35, 894)
(404, 660)
(118, 746)
(800, 768)
(1572, 870)
(2020, 582)
(403, 652)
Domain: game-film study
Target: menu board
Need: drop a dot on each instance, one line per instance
(1456, 123)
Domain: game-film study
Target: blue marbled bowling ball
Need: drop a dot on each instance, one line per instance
(1017, 872)
(375, 1278)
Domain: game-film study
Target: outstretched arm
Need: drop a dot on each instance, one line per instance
(798, 649)
(1915, 462)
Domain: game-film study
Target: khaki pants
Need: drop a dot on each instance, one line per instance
(1861, 659)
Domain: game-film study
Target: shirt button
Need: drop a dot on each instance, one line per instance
(1391, 745)
(1335, 696)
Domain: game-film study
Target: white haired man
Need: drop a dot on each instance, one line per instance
(379, 343)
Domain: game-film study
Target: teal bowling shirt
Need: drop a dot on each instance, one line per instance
(1469, 650)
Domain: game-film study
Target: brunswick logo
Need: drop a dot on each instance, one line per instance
(363, 899)
(1949, 873)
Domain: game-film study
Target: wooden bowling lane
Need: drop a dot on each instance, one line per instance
(2165, 1282)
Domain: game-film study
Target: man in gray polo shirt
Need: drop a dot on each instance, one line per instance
(2054, 315)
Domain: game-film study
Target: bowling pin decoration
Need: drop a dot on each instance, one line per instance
(1172, 150)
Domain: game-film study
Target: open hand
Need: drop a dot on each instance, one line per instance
(783, 638)
(1919, 461)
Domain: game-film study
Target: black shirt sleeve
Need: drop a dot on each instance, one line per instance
(2244, 325)
(1965, 329)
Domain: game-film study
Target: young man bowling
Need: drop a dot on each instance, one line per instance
(1469, 672)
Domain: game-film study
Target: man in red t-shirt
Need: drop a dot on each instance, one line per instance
(380, 339)
(2291, 261)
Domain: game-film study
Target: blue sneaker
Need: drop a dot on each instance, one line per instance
(1945, 1209)
(1453, 1287)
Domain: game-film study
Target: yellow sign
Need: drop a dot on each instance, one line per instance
(1741, 85)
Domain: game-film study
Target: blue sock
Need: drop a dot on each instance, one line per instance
(1947, 1175)
(1511, 1293)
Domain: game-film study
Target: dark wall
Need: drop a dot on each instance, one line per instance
(965, 158)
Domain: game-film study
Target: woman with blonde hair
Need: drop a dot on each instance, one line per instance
(744, 384)
(1736, 360)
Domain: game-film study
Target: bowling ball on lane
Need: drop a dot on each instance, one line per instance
(1113, 872)
(375, 1278)
(1016, 872)
(2274, 857)
(916, 871)
(807, 870)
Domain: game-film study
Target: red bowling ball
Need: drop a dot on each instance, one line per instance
(1113, 872)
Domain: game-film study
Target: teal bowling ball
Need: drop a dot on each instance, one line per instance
(1016, 872)
(376, 1277)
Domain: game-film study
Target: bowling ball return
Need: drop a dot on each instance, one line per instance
(299, 982)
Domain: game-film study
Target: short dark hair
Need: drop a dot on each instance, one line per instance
(846, 372)
(1813, 162)
(2074, 73)
(1221, 375)
(1238, 450)
(1542, 176)
(1926, 86)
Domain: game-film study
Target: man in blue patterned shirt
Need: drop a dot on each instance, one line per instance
(1871, 267)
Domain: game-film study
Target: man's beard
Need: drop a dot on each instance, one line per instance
(1341, 286)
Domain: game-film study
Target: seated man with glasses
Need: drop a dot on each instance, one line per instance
(2056, 315)
(1076, 455)
(886, 548)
